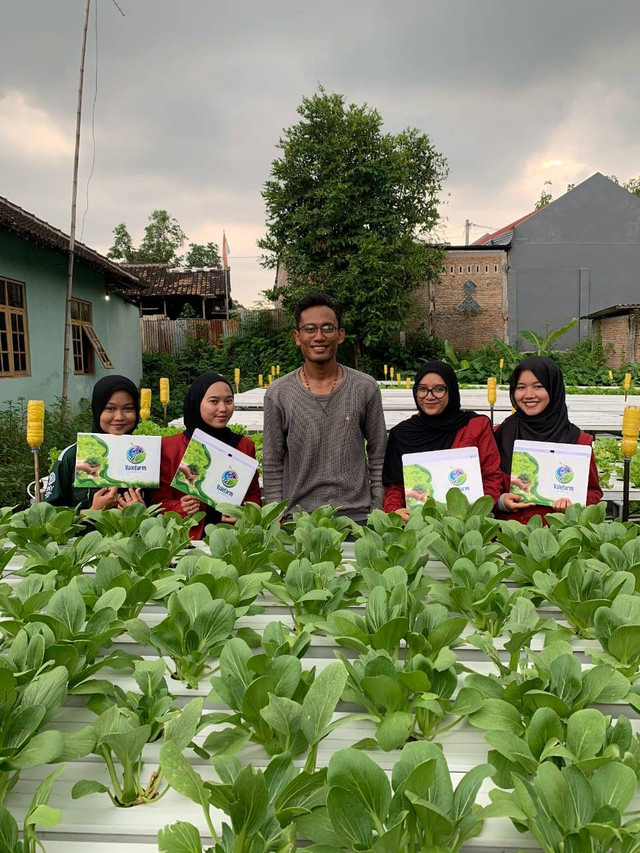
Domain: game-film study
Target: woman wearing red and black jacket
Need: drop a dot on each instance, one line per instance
(537, 394)
(440, 424)
(208, 406)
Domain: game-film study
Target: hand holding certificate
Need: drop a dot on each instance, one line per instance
(214, 472)
(433, 473)
(122, 461)
(543, 472)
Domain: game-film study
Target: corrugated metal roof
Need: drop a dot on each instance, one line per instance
(163, 280)
(35, 230)
(612, 311)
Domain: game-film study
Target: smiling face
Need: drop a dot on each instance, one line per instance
(530, 395)
(119, 415)
(217, 405)
(318, 347)
(428, 403)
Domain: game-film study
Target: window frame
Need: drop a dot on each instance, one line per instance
(85, 358)
(8, 312)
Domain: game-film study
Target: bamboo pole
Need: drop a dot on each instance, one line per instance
(72, 229)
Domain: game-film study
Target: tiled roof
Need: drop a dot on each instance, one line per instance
(163, 280)
(503, 235)
(35, 230)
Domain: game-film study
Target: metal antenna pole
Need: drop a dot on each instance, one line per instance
(72, 229)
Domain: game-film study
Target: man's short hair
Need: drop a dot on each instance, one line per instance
(311, 300)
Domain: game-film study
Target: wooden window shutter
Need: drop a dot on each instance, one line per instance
(100, 351)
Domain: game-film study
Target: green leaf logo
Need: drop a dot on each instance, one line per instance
(564, 474)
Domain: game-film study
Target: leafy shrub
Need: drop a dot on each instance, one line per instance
(61, 425)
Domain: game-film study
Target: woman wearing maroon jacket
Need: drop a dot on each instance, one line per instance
(537, 394)
(440, 424)
(208, 406)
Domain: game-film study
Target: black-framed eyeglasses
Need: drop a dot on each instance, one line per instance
(437, 392)
(327, 329)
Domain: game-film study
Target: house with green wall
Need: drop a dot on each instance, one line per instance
(33, 284)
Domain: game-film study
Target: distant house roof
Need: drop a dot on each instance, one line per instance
(475, 247)
(504, 235)
(612, 311)
(163, 280)
(35, 230)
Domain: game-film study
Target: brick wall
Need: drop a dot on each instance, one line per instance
(614, 332)
(469, 303)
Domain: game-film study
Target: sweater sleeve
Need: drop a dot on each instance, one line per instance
(375, 433)
(273, 450)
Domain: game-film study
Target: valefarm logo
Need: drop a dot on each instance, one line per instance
(457, 477)
(564, 474)
(136, 454)
(229, 478)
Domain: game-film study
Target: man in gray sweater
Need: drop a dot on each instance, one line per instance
(317, 420)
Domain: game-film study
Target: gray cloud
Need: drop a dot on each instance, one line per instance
(193, 96)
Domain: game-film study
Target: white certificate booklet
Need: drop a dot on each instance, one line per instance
(542, 471)
(125, 461)
(213, 471)
(431, 474)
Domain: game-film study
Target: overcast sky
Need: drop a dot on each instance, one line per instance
(192, 97)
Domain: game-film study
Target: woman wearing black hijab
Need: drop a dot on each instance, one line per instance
(208, 406)
(536, 388)
(440, 424)
(116, 411)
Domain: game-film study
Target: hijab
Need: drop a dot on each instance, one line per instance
(422, 432)
(191, 410)
(552, 424)
(104, 390)
(193, 420)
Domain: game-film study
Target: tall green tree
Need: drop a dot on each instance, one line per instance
(122, 249)
(203, 255)
(349, 211)
(162, 239)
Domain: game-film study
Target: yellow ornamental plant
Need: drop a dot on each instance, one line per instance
(145, 404)
(35, 437)
(164, 396)
(164, 391)
(630, 428)
(260, 381)
(492, 392)
(35, 423)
